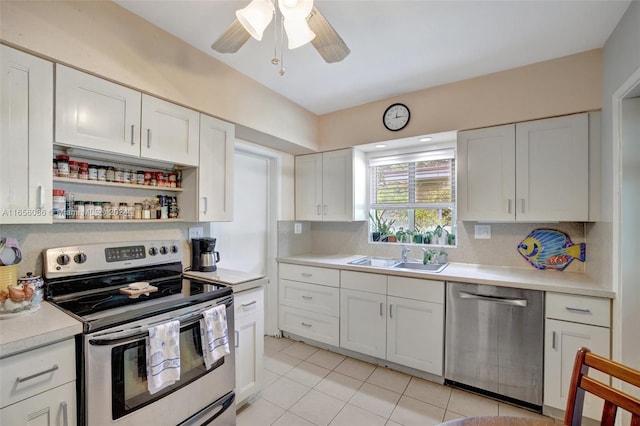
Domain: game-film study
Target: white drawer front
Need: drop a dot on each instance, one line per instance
(310, 274)
(319, 327)
(415, 288)
(310, 297)
(580, 309)
(248, 302)
(362, 281)
(36, 371)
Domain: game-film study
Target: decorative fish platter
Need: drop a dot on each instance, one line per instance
(550, 249)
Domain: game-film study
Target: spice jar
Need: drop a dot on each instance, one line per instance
(146, 209)
(115, 211)
(118, 175)
(140, 177)
(102, 173)
(78, 208)
(63, 165)
(55, 167)
(84, 171)
(130, 212)
(69, 207)
(126, 176)
(137, 211)
(74, 169)
(173, 208)
(89, 210)
(173, 180)
(106, 210)
(147, 178)
(110, 174)
(93, 172)
(58, 203)
(97, 209)
(122, 211)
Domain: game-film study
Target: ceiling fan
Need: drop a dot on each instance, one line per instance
(300, 20)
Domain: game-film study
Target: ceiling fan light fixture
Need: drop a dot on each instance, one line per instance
(256, 17)
(295, 9)
(298, 32)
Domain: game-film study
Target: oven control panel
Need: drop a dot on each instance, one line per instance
(91, 258)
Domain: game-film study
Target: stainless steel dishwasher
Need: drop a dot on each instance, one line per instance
(494, 342)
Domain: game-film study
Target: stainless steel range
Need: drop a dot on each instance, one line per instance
(119, 291)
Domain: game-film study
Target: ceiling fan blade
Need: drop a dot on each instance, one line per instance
(327, 41)
(232, 39)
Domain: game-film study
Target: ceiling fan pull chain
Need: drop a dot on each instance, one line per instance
(282, 70)
(275, 60)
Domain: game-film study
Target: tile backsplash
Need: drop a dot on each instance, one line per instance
(500, 250)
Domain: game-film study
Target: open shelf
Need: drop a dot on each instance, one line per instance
(116, 184)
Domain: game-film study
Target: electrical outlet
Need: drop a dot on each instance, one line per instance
(196, 232)
(297, 228)
(482, 232)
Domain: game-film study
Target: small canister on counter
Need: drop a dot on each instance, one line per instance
(58, 208)
(36, 283)
(84, 171)
(63, 165)
(93, 172)
(78, 208)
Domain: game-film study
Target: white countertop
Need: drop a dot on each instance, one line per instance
(237, 280)
(526, 278)
(45, 326)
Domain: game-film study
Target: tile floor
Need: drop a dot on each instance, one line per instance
(305, 385)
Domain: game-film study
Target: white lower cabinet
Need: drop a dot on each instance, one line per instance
(249, 341)
(573, 322)
(38, 387)
(393, 318)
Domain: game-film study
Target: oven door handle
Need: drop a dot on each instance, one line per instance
(137, 336)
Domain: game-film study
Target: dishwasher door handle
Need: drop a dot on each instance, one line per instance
(495, 299)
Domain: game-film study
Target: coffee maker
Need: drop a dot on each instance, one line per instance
(203, 254)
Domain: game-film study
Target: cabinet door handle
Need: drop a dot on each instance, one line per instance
(65, 416)
(307, 297)
(522, 205)
(509, 206)
(318, 212)
(237, 333)
(391, 311)
(33, 376)
(148, 138)
(305, 324)
(133, 142)
(41, 196)
(246, 305)
(381, 309)
(578, 310)
(306, 274)
(326, 210)
(206, 205)
(553, 340)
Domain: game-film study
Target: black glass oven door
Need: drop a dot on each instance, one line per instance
(129, 371)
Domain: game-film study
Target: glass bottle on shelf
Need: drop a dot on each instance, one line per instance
(146, 209)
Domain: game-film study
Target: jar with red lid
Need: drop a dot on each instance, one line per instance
(63, 165)
(58, 204)
(74, 169)
(84, 170)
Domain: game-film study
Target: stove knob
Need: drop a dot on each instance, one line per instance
(63, 259)
(153, 251)
(164, 250)
(80, 258)
(174, 249)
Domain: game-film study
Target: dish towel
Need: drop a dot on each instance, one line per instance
(163, 356)
(214, 333)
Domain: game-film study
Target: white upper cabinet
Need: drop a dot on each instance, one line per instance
(26, 151)
(331, 186)
(208, 195)
(99, 115)
(526, 172)
(96, 114)
(170, 132)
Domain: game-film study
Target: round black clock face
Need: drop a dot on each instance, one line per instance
(396, 117)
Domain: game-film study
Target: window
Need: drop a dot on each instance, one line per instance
(413, 197)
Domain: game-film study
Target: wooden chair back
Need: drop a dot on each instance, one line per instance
(613, 398)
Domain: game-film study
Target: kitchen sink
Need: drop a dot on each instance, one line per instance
(420, 266)
(385, 262)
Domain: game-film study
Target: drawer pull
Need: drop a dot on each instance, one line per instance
(578, 310)
(553, 340)
(381, 309)
(307, 297)
(306, 274)
(237, 333)
(391, 311)
(246, 305)
(65, 416)
(33, 376)
(305, 324)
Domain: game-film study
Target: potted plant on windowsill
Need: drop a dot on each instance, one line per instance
(381, 227)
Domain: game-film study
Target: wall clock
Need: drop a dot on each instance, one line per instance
(396, 117)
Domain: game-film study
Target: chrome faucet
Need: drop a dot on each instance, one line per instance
(405, 252)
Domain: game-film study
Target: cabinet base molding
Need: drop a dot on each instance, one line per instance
(362, 357)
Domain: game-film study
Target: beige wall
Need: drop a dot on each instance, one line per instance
(102, 38)
(557, 87)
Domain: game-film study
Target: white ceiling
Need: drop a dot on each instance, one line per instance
(396, 46)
